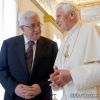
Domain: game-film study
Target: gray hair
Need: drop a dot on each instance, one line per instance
(24, 15)
(67, 6)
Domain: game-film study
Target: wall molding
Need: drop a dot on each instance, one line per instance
(39, 7)
(88, 4)
(49, 18)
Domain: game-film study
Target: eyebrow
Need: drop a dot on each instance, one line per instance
(34, 23)
(58, 15)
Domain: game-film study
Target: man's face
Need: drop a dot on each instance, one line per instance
(62, 19)
(32, 29)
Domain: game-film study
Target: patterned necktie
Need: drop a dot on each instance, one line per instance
(29, 56)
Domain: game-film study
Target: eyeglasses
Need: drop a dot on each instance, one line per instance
(33, 26)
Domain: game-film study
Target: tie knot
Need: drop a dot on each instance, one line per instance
(30, 43)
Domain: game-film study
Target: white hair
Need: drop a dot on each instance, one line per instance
(24, 15)
(67, 6)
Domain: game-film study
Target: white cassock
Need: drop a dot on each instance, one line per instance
(83, 61)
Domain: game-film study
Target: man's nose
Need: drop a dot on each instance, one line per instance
(37, 28)
(56, 21)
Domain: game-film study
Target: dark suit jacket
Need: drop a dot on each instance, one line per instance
(13, 69)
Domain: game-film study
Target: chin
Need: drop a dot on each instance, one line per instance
(36, 38)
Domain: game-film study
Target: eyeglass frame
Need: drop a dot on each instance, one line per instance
(33, 26)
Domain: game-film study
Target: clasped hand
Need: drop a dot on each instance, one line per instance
(27, 92)
(59, 78)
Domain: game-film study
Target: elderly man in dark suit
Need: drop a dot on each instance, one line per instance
(26, 62)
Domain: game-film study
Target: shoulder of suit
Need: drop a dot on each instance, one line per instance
(13, 38)
(46, 39)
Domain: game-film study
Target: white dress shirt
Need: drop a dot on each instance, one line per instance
(26, 47)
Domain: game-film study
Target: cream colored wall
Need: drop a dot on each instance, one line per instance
(48, 29)
(53, 33)
(56, 35)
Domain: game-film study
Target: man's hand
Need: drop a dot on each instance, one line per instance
(60, 78)
(24, 91)
(36, 88)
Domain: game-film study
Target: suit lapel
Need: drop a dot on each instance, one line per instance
(20, 49)
(40, 49)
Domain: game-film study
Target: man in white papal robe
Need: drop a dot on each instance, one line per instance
(78, 59)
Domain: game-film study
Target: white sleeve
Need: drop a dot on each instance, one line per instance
(86, 76)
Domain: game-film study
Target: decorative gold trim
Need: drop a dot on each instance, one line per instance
(88, 4)
(49, 18)
(39, 6)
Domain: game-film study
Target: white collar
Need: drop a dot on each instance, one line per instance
(26, 40)
(74, 28)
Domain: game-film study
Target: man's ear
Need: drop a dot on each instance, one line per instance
(72, 14)
(22, 28)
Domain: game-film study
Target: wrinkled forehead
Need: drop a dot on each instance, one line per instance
(32, 20)
(60, 10)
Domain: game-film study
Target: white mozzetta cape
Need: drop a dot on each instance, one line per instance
(83, 62)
